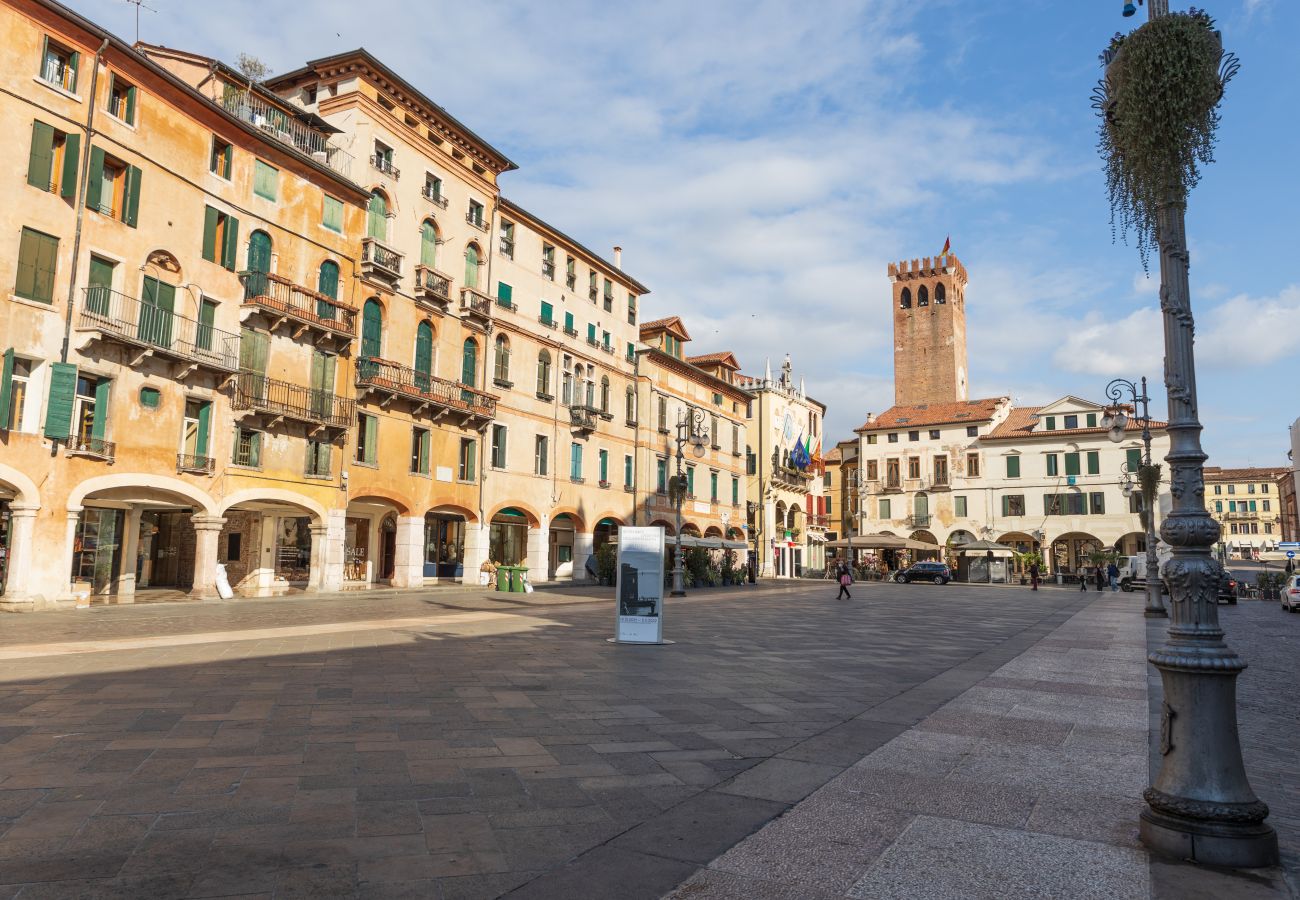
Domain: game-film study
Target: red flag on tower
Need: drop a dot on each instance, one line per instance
(947, 246)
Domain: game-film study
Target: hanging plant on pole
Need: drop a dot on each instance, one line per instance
(1159, 106)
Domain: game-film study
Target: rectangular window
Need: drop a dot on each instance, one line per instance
(591, 286)
(568, 324)
(735, 491)
(959, 507)
(1094, 462)
(941, 470)
(913, 436)
(1071, 464)
(332, 213)
(893, 438)
(498, 448)
(1051, 423)
(713, 487)
(247, 448)
(1013, 504)
(194, 434)
(690, 481)
(37, 254)
(264, 180)
(1250, 489)
(219, 161)
(541, 455)
(627, 471)
(506, 241)
(884, 509)
(892, 476)
(575, 461)
(59, 66)
(465, 465)
(505, 295)
(367, 439)
(972, 431)
(603, 459)
(934, 434)
(871, 439)
(475, 214)
(914, 467)
(631, 309)
(1267, 506)
(420, 446)
(121, 99)
(548, 313)
(605, 340)
(113, 188)
(220, 237)
(570, 273)
(1097, 503)
(1091, 420)
(1072, 421)
(1053, 468)
(609, 295)
(873, 470)
(53, 160)
(15, 377)
(661, 476)
(1013, 466)
(318, 459)
(1263, 488)
(548, 262)
(735, 440)
(1218, 504)
(591, 333)
(972, 465)
(433, 190)
(1232, 489)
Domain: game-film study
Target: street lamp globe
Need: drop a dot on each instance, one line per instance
(697, 448)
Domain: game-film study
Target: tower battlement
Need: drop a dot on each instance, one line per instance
(928, 267)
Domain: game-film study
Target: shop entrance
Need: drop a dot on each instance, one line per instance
(6, 529)
(508, 538)
(165, 556)
(96, 550)
(293, 548)
(388, 543)
(444, 545)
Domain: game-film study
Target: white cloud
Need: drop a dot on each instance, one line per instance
(1253, 330)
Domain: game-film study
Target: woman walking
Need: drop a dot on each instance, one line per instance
(845, 579)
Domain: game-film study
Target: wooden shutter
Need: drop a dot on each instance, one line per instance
(231, 244)
(505, 293)
(130, 105)
(424, 348)
(40, 160)
(207, 318)
(74, 63)
(372, 329)
(469, 363)
(95, 184)
(63, 389)
(1094, 462)
(131, 214)
(372, 436)
(1134, 458)
(255, 449)
(103, 391)
(428, 245)
(6, 387)
(327, 282)
(1071, 464)
(470, 461)
(205, 426)
(228, 155)
(548, 312)
(210, 234)
(71, 160)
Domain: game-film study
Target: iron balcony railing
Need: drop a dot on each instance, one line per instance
(144, 325)
(432, 195)
(280, 295)
(571, 332)
(548, 269)
(192, 462)
(918, 521)
(395, 378)
(893, 484)
(582, 418)
(376, 255)
(286, 128)
(477, 220)
(475, 303)
(507, 248)
(940, 480)
(92, 446)
(433, 284)
(59, 73)
(293, 401)
(571, 281)
(385, 165)
(548, 321)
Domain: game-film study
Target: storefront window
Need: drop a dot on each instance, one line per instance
(508, 539)
(96, 549)
(293, 548)
(444, 546)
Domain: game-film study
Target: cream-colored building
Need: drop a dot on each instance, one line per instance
(676, 388)
(1247, 504)
(787, 522)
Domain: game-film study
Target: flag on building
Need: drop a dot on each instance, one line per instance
(947, 246)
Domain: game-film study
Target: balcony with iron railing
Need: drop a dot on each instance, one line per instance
(384, 164)
(280, 297)
(281, 399)
(790, 475)
(424, 391)
(571, 332)
(89, 445)
(918, 521)
(432, 287)
(195, 464)
(286, 128)
(431, 194)
(548, 321)
(378, 260)
(892, 485)
(476, 305)
(548, 269)
(940, 481)
(155, 331)
(583, 418)
(1240, 515)
(477, 220)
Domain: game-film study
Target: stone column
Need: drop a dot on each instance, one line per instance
(127, 556)
(20, 586)
(408, 567)
(583, 546)
(476, 550)
(319, 556)
(538, 558)
(207, 532)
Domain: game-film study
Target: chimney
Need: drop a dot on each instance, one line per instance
(618, 258)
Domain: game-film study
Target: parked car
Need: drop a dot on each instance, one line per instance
(1291, 594)
(1228, 588)
(935, 572)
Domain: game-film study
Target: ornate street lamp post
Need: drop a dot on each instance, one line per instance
(1159, 104)
(690, 430)
(1147, 475)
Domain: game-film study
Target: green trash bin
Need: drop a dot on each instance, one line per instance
(503, 578)
(518, 578)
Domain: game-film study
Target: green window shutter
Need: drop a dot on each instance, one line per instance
(1094, 462)
(229, 155)
(327, 281)
(228, 252)
(1091, 420)
(568, 321)
(1071, 464)
(74, 63)
(255, 450)
(95, 184)
(205, 426)
(548, 312)
(6, 387)
(426, 446)
(207, 319)
(40, 161)
(45, 54)
(264, 178)
(103, 391)
(1051, 423)
(332, 213)
(505, 293)
(132, 213)
(424, 349)
(71, 160)
(1052, 469)
(1134, 458)
(372, 329)
(469, 363)
(130, 105)
(591, 332)
(372, 436)
(37, 256)
(1013, 466)
(428, 245)
(209, 234)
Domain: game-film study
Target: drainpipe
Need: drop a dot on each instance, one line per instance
(636, 434)
(81, 206)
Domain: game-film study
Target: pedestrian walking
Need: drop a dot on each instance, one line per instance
(1101, 578)
(845, 579)
(1083, 578)
(1033, 576)
(1112, 571)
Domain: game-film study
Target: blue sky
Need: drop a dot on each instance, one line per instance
(760, 162)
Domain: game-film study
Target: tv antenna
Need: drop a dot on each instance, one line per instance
(139, 4)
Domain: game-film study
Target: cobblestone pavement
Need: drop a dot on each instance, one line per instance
(1028, 784)
(454, 744)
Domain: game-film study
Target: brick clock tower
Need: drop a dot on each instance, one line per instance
(929, 330)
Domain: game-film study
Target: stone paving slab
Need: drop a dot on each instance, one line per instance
(986, 796)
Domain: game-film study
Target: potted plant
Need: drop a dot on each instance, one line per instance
(697, 565)
(606, 564)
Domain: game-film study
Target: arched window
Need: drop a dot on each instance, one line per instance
(471, 266)
(327, 283)
(428, 244)
(631, 404)
(544, 373)
(604, 394)
(922, 296)
(423, 355)
(372, 329)
(377, 216)
(501, 361)
(939, 295)
(469, 363)
(905, 299)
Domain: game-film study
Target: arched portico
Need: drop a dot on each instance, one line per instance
(1071, 551)
(382, 541)
(447, 529)
(274, 540)
(19, 504)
